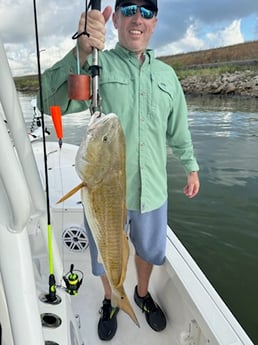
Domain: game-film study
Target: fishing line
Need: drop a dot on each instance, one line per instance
(62, 208)
(84, 32)
(74, 277)
(52, 287)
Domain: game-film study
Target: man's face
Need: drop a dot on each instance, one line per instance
(134, 32)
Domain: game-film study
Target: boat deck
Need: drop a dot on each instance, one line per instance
(89, 303)
(195, 313)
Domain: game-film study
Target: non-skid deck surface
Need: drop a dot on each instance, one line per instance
(89, 301)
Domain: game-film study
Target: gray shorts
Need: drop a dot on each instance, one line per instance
(147, 232)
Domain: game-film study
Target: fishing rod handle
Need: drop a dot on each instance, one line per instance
(96, 4)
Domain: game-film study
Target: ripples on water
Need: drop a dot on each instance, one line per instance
(219, 226)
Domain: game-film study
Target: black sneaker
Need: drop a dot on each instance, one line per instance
(107, 323)
(153, 313)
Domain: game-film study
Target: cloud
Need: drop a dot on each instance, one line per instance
(15, 19)
(183, 25)
(191, 41)
(176, 16)
(256, 27)
(228, 36)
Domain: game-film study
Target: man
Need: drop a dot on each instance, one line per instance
(146, 95)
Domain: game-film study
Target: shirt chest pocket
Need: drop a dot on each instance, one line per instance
(114, 88)
(162, 100)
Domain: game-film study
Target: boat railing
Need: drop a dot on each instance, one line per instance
(19, 174)
(22, 202)
(23, 196)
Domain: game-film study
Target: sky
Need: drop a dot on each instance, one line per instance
(183, 26)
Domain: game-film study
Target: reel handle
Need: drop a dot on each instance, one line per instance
(73, 280)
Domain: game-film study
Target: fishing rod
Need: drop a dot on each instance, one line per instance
(73, 279)
(51, 297)
(79, 84)
(95, 69)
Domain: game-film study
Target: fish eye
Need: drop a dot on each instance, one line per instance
(105, 139)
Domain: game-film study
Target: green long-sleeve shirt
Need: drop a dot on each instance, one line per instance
(151, 106)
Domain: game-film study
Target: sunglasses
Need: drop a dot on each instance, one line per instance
(130, 10)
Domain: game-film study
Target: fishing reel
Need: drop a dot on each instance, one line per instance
(73, 280)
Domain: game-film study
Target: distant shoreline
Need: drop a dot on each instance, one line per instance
(224, 71)
(242, 83)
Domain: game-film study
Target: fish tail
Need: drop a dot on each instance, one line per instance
(124, 304)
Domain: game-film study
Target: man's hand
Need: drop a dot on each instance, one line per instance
(96, 29)
(193, 185)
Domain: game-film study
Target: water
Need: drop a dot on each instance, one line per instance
(219, 226)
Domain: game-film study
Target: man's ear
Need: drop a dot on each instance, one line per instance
(155, 24)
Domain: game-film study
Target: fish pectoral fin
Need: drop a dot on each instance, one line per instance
(71, 192)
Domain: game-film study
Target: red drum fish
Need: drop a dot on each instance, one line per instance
(100, 163)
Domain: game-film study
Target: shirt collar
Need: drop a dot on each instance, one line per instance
(127, 54)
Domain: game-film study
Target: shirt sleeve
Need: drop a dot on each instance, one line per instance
(178, 134)
(55, 86)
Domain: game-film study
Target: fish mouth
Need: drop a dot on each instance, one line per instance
(100, 119)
